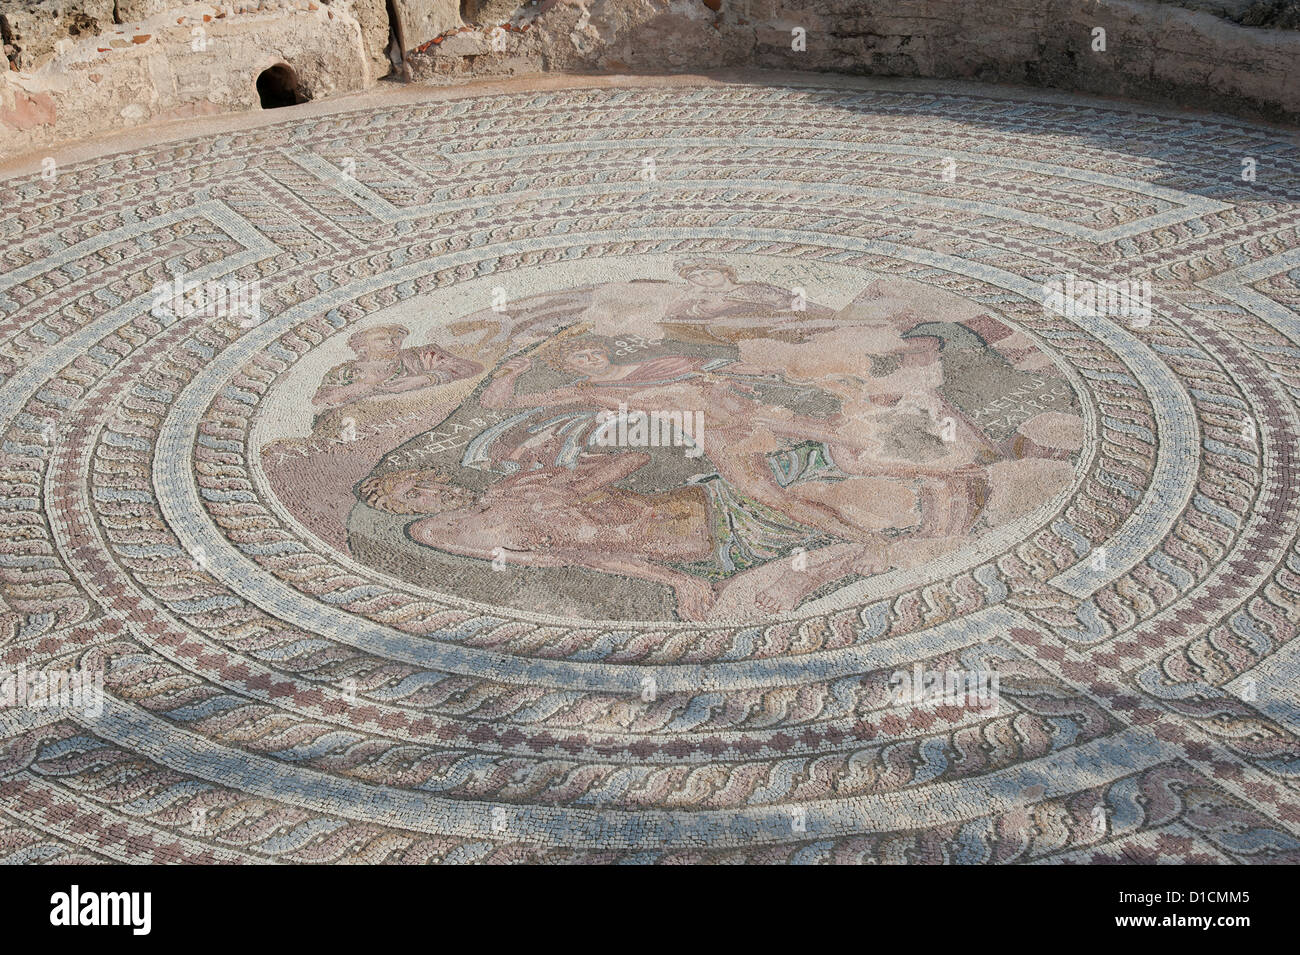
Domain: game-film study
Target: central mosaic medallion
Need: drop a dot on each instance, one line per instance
(674, 439)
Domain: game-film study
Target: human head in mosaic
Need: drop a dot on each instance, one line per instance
(578, 356)
(382, 342)
(414, 491)
(707, 273)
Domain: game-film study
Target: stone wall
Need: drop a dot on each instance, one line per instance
(1152, 50)
(176, 61)
(82, 67)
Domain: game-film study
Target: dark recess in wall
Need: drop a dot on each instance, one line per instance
(278, 86)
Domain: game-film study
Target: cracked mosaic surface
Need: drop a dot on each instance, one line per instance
(265, 530)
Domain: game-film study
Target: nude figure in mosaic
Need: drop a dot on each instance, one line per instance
(383, 367)
(710, 306)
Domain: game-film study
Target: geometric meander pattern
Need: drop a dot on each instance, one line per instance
(267, 697)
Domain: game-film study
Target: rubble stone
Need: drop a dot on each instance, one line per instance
(1210, 54)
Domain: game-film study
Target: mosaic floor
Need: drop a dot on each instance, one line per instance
(715, 472)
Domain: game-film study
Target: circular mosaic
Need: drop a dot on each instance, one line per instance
(698, 446)
(672, 473)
